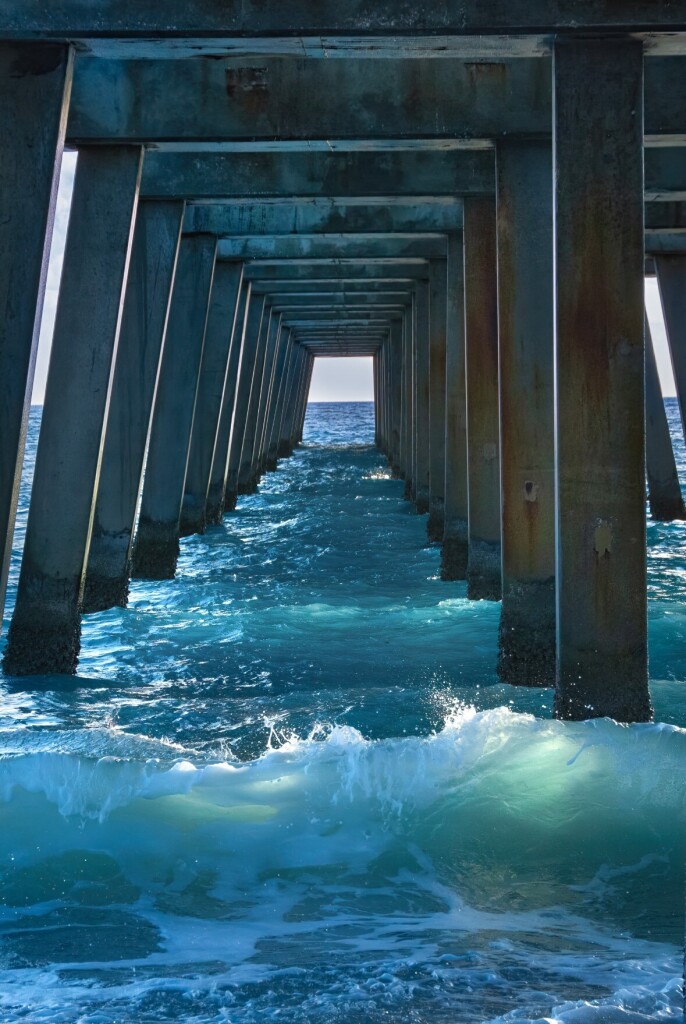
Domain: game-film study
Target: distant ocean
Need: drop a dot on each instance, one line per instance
(287, 786)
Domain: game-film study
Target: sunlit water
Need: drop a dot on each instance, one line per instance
(287, 787)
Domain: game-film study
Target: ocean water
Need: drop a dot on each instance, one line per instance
(287, 786)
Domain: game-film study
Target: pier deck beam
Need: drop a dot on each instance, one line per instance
(525, 315)
(438, 302)
(213, 380)
(35, 84)
(454, 550)
(484, 570)
(45, 633)
(156, 547)
(602, 641)
(144, 324)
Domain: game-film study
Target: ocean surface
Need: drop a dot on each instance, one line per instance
(287, 786)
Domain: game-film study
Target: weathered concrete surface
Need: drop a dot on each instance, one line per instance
(216, 498)
(45, 633)
(602, 646)
(144, 324)
(422, 399)
(295, 175)
(454, 550)
(324, 216)
(35, 85)
(438, 307)
(277, 102)
(208, 405)
(483, 419)
(276, 401)
(294, 370)
(664, 493)
(156, 547)
(271, 352)
(253, 322)
(671, 281)
(525, 314)
(396, 392)
(246, 475)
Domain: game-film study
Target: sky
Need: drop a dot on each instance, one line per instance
(333, 380)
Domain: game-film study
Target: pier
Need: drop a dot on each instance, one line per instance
(472, 195)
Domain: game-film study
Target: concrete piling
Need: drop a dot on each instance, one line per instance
(438, 304)
(212, 382)
(45, 632)
(216, 498)
(156, 547)
(664, 493)
(253, 322)
(143, 331)
(484, 569)
(454, 549)
(525, 319)
(602, 641)
(35, 83)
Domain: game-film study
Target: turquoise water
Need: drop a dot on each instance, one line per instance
(286, 786)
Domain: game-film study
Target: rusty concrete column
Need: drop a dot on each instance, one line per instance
(246, 479)
(251, 331)
(454, 550)
(483, 422)
(602, 638)
(35, 82)
(525, 314)
(45, 634)
(438, 304)
(216, 498)
(156, 547)
(670, 271)
(144, 324)
(212, 382)
(422, 400)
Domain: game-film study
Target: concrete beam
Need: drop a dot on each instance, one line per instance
(314, 175)
(362, 246)
(268, 103)
(315, 216)
(377, 175)
(326, 28)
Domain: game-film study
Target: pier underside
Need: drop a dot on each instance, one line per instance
(471, 198)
